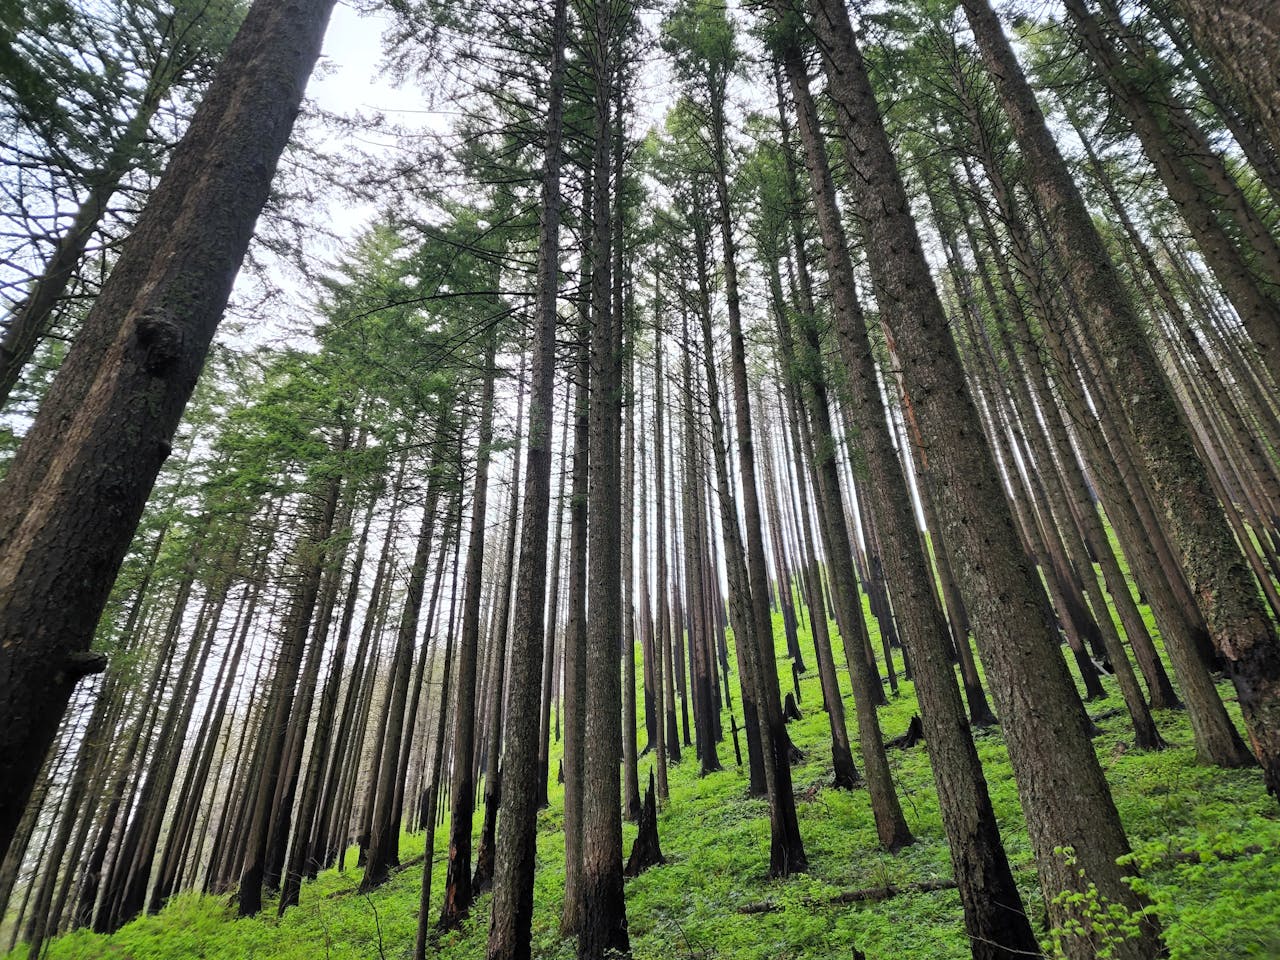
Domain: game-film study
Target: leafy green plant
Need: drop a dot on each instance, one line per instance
(1104, 924)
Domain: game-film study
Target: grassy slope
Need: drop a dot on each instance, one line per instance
(715, 841)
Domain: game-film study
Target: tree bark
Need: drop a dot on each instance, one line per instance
(576, 629)
(1065, 795)
(604, 920)
(1242, 38)
(458, 895)
(1196, 178)
(994, 916)
(432, 793)
(384, 834)
(71, 499)
(499, 640)
(282, 716)
(550, 658)
(511, 915)
(1225, 591)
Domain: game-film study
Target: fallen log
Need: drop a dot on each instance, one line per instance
(1208, 856)
(1107, 714)
(864, 895)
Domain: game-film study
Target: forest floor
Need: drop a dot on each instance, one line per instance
(1206, 840)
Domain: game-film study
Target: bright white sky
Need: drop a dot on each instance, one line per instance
(348, 80)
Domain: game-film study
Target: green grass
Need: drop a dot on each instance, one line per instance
(1192, 828)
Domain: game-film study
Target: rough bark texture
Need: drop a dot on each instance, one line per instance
(1221, 580)
(495, 709)
(646, 851)
(994, 917)
(550, 663)
(384, 835)
(1064, 794)
(1242, 38)
(662, 641)
(73, 495)
(604, 920)
(511, 915)
(575, 638)
(429, 816)
(457, 892)
(1195, 176)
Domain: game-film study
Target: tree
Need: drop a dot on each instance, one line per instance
(1240, 37)
(707, 56)
(604, 921)
(1210, 200)
(1020, 656)
(512, 912)
(1226, 592)
(458, 894)
(135, 363)
(994, 917)
(104, 137)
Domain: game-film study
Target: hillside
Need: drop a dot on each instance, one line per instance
(1207, 842)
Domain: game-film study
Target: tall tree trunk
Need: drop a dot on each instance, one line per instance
(786, 850)
(331, 839)
(1065, 795)
(71, 499)
(604, 919)
(843, 767)
(303, 855)
(483, 878)
(549, 662)
(281, 717)
(695, 570)
(1241, 38)
(511, 916)
(170, 876)
(458, 894)
(655, 704)
(576, 629)
(994, 916)
(1239, 626)
(43, 921)
(668, 740)
(786, 847)
(283, 815)
(1195, 176)
(1124, 497)
(432, 793)
(630, 769)
(384, 834)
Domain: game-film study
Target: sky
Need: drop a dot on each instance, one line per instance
(349, 80)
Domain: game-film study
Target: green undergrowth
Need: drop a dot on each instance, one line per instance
(1207, 842)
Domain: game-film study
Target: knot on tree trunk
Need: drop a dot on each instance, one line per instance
(160, 335)
(82, 663)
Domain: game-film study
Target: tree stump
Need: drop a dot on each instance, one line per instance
(789, 709)
(646, 852)
(914, 734)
